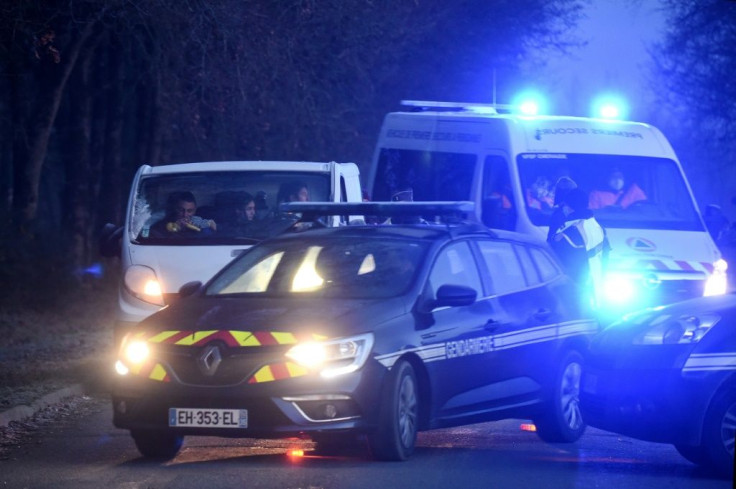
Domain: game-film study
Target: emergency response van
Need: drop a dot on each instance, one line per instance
(508, 164)
(159, 253)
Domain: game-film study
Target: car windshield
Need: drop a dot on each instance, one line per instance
(624, 191)
(225, 207)
(340, 268)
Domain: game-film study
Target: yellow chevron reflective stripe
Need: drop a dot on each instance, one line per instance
(162, 336)
(158, 373)
(195, 337)
(296, 370)
(245, 338)
(264, 374)
(284, 338)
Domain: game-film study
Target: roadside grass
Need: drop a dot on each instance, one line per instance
(55, 326)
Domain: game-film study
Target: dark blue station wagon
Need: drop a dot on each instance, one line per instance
(369, 332)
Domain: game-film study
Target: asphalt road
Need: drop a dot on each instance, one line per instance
(85, 451)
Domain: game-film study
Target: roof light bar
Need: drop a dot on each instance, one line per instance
(388, 209)
(459, 106)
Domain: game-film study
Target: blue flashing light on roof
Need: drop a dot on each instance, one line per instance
(610, 107)
(529, 103)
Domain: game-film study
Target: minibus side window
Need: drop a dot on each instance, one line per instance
(498, 200)
(432, 175)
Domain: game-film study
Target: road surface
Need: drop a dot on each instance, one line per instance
(85, 451)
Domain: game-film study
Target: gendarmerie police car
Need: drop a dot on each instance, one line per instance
(668, 374)
(377, 330)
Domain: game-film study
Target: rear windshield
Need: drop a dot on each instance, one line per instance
(623, 191)
(207, 208)
(339, 268)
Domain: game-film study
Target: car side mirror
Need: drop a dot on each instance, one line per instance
(449, 295)
(189, 288)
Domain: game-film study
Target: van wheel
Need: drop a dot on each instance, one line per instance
(561, 421)
(158, 445)
(399, 416)
(719, 430)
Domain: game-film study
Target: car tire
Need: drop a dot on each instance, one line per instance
(158, 445)
(719, 432)
(396, 434)
(560, 420)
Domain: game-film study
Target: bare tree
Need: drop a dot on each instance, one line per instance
(159, 81)
(693, 75)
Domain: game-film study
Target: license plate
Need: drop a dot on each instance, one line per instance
(208, 418)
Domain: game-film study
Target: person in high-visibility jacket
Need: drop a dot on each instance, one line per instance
(582, 245)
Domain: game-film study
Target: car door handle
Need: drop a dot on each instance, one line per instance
(542, 314)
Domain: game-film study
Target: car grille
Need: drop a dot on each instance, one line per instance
(236, 366)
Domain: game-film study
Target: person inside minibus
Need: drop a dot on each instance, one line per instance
(618, 192)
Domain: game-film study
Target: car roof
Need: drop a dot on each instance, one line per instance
(429, 232)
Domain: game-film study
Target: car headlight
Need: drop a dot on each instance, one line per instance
(673, 330)
(717, 283)
(132, 355)
(333, 357)
(142, 282)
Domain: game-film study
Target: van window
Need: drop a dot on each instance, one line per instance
(433, 176)
(654, 194)
(215, 204)
(498, 210)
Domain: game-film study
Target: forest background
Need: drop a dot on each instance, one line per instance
(92, 89)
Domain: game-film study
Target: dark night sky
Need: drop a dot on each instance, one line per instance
(617, 33)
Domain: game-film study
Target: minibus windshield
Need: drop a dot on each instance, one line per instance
(623, 191)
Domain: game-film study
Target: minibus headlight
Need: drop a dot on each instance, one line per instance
(717, 283)
(142, 282)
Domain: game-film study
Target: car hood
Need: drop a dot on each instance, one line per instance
(327, 318)
(619, 335)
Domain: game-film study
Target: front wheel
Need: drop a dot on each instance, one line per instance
(719, 432)
(561, 421)
(158, 445)
(399, 416)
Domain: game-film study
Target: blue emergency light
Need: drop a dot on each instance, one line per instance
(608, 106)
(529, 103)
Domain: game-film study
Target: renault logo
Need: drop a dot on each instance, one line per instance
(209, 360)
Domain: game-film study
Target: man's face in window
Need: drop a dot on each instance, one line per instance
(185, 210)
